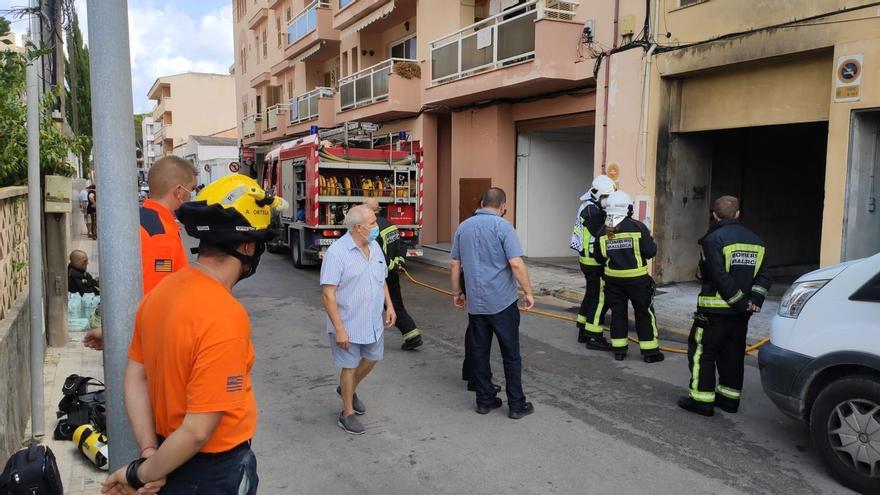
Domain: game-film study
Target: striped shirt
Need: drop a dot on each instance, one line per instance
(360, 288)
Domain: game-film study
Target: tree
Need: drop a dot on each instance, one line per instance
(55, 145)
(79, 98)
(138, 130)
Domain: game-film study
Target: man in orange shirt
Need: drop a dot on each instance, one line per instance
(188, 391)
(172, 181)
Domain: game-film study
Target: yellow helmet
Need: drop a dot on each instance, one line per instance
(231, 210)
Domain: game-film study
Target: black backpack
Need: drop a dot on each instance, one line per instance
(84, 402)
(31, 471)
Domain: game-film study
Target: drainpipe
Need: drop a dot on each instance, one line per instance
(607, 85)
(646, 100)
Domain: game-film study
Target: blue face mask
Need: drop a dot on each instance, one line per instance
(374, 234)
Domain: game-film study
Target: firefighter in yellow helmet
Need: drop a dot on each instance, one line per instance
(188, 387)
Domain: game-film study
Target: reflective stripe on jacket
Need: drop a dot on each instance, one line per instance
(625, 255)
(732, 266)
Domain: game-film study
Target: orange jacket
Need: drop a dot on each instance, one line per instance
(162, 251)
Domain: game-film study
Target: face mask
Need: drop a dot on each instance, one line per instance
(252, 261)
(373, 235)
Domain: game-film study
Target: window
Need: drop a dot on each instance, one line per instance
(345, 3)
(242, 57)
(344, 64)
(354, 60)
(278, 30)
(290, 89)
(244, 105)
(685, 3)
(265, 44)
(870, 292)
(287, 14)
(405, 48)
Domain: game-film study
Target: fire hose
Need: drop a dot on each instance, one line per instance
(674, 350)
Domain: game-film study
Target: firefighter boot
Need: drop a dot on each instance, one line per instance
(598, 343)
(725, 404)
(702, 408)
(582, 334)
(653, 357)
(619, 355)
(412, 343)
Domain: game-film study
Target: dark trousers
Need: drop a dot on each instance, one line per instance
(504, 326)
(592, 314)
(226, 473)
(640, 292)
(405, 323)
(717, 342)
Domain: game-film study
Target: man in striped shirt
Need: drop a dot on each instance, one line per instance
(355, 296)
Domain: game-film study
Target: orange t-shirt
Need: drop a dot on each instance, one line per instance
(194, 341)
(162, 251)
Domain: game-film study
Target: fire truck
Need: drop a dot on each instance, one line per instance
(322, 178)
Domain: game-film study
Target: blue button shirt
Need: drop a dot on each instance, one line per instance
(360, 288)
(484, 244)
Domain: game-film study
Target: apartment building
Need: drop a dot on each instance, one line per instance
(187, 104)
(496, 91)
(774, 102)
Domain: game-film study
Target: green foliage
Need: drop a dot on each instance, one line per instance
(77, 76)
(138, 129)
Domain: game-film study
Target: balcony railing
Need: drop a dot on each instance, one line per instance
(369, 85)
(305, 22)
(272, 116)
(305, 107)
(494, 42)
(249, 125)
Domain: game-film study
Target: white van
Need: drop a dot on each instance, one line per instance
(822, 366)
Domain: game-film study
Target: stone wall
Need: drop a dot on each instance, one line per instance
(15, 381)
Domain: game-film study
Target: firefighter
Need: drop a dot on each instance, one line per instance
(395, 257)
(623, 247)
(591, 217)
(735, 282)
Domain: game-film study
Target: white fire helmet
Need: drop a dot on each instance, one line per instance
(602, 186)
(618, 206)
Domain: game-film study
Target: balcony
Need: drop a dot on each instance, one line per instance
(512, 54)
(275, 119)
(310, 35)
(249, 125)
(380, 92)
(313, 108)
(258, 18)
(355, 15)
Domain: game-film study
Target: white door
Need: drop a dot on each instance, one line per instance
(554, 168)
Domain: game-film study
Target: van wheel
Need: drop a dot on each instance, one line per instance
(295, 251)
(845, 426)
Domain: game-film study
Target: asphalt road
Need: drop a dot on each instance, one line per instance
(600, 426)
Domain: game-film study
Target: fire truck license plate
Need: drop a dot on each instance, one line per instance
(414, 252)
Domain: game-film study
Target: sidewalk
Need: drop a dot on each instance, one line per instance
(674, 304)
(79, 476)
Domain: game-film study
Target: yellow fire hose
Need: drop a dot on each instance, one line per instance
(548, 314)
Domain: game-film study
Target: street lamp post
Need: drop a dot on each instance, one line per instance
(118, 237)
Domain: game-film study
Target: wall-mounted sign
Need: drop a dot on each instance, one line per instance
(207, 168)
(613, 171)
(848, 77)
(248, 154)
(234, 167)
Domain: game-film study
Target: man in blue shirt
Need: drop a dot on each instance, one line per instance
(487, 248)
(355, 298)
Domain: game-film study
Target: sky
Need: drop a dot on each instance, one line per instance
(166, 37)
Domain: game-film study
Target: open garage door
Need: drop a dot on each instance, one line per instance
(554, 167)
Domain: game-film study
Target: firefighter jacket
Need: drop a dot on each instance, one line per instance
(732, 268)
(592, 219)
(625, 255)
(389, 239)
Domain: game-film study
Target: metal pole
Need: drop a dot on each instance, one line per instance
(118, 238)
(35, 236)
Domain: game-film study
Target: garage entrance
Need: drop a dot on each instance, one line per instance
(778, 172)
(553, 169)
(861, 218)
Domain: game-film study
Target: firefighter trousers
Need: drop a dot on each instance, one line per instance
(405, 323)
(640, 292)
(592, 313)
(717, 342)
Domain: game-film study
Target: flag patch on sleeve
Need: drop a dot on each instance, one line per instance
(234, 383)
(163, 266)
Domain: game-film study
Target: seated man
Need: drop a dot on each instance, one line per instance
(78, 279)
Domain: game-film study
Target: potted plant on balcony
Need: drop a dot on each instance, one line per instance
(408, 70)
